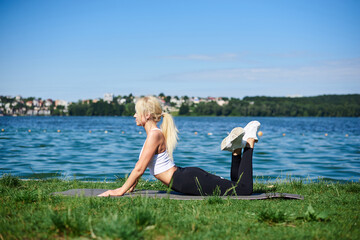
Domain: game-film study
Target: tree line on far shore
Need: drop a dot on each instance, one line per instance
(318, 106)
(103, 108)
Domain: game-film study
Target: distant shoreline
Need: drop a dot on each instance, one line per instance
(175, 116)
(259, 106)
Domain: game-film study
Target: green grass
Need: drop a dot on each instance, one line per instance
(28, 211)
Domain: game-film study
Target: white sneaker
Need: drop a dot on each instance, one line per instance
(233, 140)
(251, 130)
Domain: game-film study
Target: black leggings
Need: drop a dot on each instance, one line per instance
(195, 181)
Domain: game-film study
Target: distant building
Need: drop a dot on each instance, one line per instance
(61, 103)
(121, 100)
(221, 102)
(177, 102)
(162, 102)
(48, 103)
(9, 111)
(44, 112)
(30, 112)
(36, 103)
(108, 97)
(196, 100)
(29, 103)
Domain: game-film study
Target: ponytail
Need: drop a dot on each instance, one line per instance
(170, 132)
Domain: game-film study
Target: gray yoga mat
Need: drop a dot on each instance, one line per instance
(175, 195)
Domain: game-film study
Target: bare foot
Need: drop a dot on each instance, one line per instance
(250, 142)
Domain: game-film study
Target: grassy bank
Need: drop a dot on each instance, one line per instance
(28, 211)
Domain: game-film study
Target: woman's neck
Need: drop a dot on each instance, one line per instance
(149, 125)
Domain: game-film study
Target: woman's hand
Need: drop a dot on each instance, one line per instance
(115, 192)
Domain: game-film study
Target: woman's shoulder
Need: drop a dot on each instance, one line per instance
(156, 135)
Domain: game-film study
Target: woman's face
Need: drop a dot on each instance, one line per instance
(140, 121)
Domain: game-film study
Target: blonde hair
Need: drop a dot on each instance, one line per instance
(151, 105)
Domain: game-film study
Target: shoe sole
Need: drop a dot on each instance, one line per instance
(235, 136)
(250, 125)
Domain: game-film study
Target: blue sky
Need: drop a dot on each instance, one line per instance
(82, 49)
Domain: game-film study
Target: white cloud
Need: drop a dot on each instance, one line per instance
(328, 72)
(201, 57)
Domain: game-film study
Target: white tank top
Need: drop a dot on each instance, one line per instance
(160, 162)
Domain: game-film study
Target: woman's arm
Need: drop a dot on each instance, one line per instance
(133, 187)
(151, 145)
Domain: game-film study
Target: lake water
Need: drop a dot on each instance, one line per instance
(112, 148)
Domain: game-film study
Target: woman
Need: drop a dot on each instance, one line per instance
(159, 145)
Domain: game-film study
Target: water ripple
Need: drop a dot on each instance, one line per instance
(96, 148)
